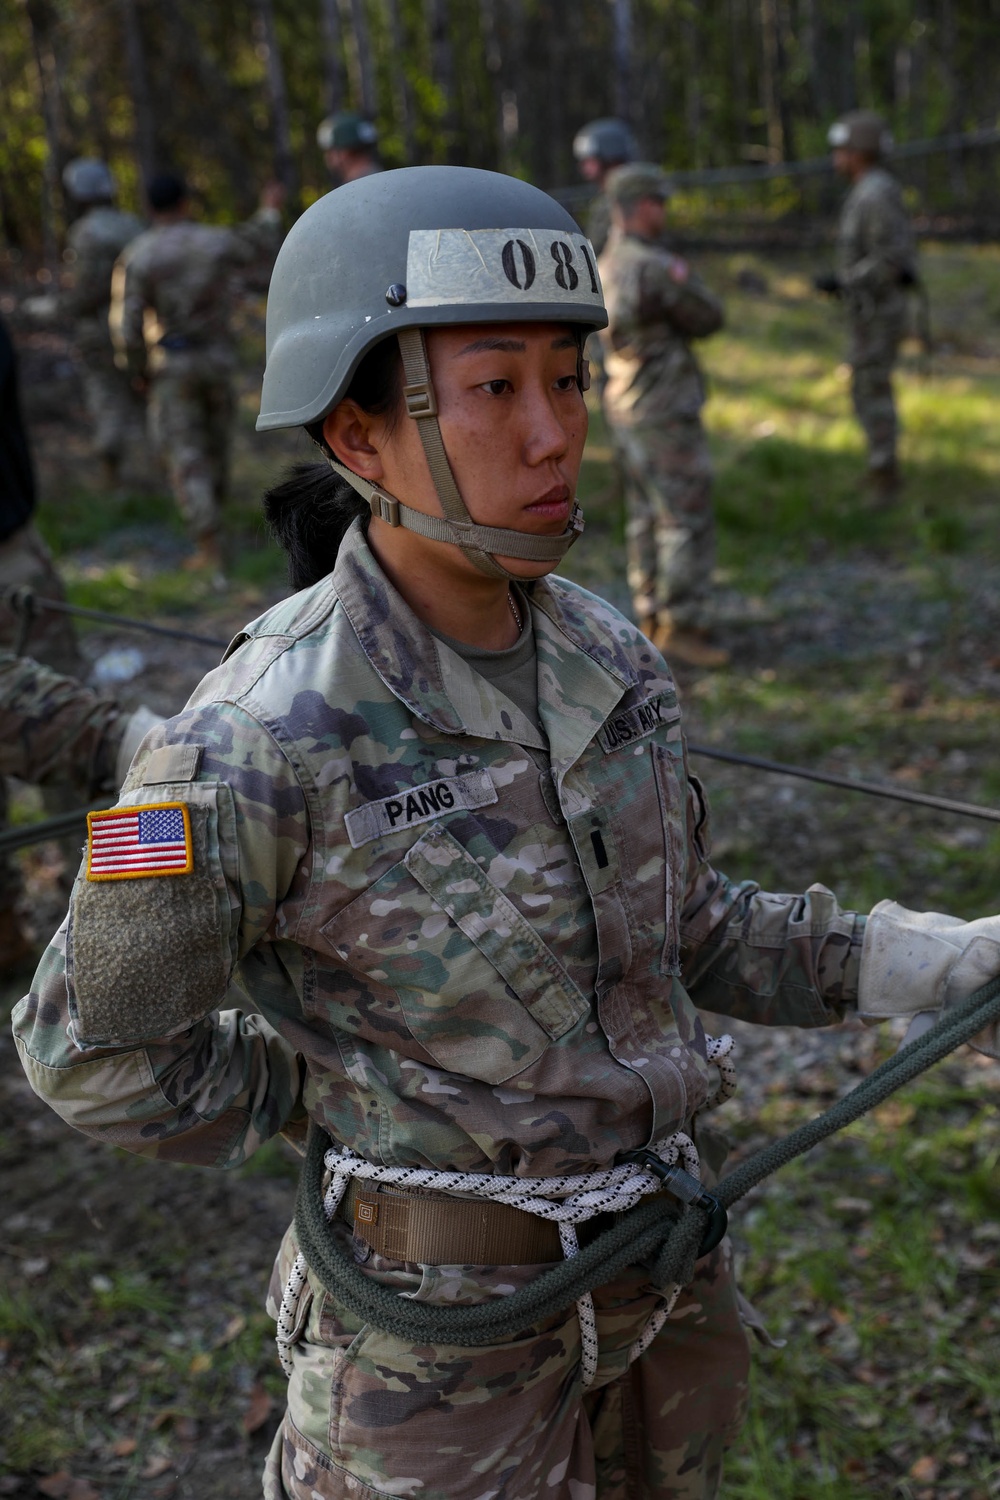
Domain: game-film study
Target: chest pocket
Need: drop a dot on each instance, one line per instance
(478, 987)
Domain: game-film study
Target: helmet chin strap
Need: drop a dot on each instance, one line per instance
(479, 543)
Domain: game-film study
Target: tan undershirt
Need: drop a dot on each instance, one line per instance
(514, 671)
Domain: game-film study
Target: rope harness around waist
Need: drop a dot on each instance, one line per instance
(665, 1238)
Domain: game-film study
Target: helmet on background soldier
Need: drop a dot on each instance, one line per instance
(637, 180)
(389, 255)
(346, 131)
(861, 130)
(88, 180)
(609, 141)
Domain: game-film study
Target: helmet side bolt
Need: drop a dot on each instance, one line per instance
(396, 294)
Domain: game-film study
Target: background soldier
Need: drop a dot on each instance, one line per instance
(349, 144)
(25, 563)
(95, 242)
(171, 308)
(600, 147)
(876, 263)
(652, 402)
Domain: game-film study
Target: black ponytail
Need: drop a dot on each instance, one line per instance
(311, 509)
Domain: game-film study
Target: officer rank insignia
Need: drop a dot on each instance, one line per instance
(126, 842)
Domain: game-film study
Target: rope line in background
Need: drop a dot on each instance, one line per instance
(26, 603)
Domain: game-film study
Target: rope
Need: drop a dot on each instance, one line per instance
(871, 788)
(564, 1201)
(25, 603)
(650, 1233)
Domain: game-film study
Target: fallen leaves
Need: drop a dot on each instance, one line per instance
(65, 1486)
(258, 1409)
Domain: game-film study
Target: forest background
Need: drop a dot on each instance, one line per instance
(230, 91)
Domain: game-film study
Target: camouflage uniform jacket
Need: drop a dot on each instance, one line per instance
(472, 945)
(95, 242)
(875, 247)
(174, 289)
(54, 729)
(654, 311)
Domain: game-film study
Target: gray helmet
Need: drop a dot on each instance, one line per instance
(611, 141)
(88, 180)
(346, 131)
(861, 130)
(398, 252)
(636, 180)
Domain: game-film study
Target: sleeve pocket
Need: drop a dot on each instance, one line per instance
(148, 957)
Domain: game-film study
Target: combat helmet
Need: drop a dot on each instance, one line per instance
(346, 131)
(861, 130)
(609, 140)
(88, 180)
(398, 252)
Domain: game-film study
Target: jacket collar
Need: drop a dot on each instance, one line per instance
(584, 666)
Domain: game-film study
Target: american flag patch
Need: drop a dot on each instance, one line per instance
(125, 842)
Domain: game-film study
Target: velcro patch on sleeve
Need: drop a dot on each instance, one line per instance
(419, 804)
(125, 843)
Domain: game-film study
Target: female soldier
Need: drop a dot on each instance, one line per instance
(434, 812)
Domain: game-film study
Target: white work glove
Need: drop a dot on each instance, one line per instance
(914, 962)
(136, 729)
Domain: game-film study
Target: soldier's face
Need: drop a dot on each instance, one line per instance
(513, 421)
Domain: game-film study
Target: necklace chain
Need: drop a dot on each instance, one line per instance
(515, 612)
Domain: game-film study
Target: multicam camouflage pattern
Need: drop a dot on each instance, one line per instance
(659, 1428)
(652, 400)
(172, 303)
(54, 729)
(190, 414)
(876, 256)
(95, 242)
(25, 562)
(509, 985)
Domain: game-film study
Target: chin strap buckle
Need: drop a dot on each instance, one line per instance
(420, 399)
(384, 508)
(681, 1185)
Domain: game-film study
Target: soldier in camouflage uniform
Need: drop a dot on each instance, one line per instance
(876, 263)
(95, 241)
(435, 811)
(599, 148)
(56, 731)
(171, 310)
(653, 397)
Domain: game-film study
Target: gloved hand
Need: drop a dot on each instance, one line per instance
(828, 282)
(137, 726)
(913, 962)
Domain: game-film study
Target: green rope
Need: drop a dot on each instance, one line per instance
(667, 1238)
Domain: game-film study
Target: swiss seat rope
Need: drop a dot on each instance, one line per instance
(666, 1239)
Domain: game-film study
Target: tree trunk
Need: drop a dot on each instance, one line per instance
(333, 55)
(769, 81)
(401, 87)
(443, 68)
(360, 52)
(138, 87)
(621, 12)
(494, 67)
(267, 41)
(41, 20)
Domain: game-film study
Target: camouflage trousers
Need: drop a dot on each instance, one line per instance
(876, 331)
(191, 412)
(370, 1418)
(25, 562)
(670, 528)
(116, 413)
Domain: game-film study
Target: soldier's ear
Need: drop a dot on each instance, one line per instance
(348, 433)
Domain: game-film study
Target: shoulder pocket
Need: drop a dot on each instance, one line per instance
(149, 954)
